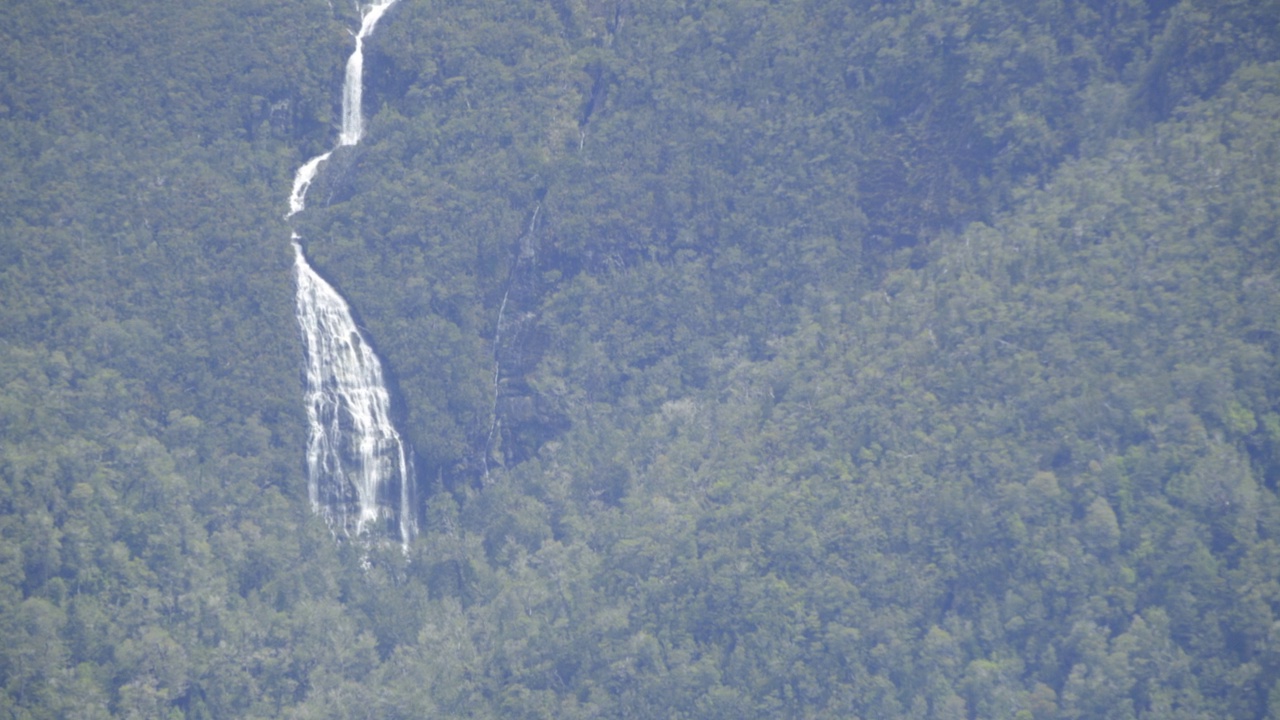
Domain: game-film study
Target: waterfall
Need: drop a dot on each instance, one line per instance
(353, 87)
(357, 466)
(358, 469)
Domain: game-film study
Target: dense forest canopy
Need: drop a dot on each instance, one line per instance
(762, 359)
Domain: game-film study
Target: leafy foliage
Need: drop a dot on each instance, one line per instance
(796, 359)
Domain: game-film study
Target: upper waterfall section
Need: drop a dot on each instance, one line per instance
(353, 87)
(352, 106)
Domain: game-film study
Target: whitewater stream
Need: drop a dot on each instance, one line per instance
(358, 468)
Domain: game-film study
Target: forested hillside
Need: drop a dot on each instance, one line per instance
(762, 359)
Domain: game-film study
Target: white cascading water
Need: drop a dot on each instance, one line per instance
(353, 86)
(358, 473)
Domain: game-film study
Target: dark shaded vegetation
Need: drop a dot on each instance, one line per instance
(802, 359)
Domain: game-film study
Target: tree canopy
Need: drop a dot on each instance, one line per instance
(762, 359)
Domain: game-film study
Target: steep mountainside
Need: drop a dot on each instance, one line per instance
(800, 359)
